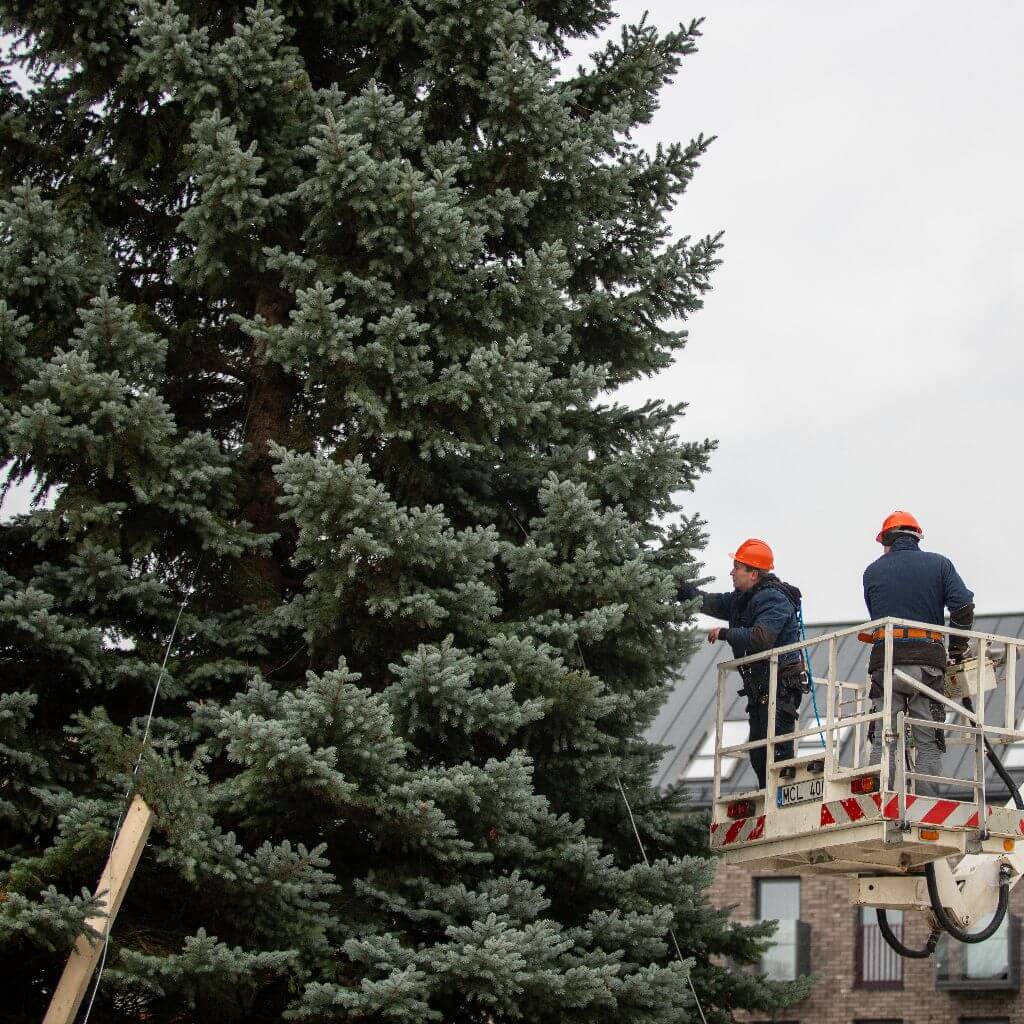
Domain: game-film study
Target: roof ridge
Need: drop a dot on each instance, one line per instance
(839, 623)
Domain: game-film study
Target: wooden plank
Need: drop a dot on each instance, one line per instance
(117, 874)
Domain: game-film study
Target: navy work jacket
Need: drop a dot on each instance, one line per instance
(909, 583)
(760, 618)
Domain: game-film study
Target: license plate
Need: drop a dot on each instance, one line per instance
(800, 792)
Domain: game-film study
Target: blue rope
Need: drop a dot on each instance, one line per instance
(810, 674)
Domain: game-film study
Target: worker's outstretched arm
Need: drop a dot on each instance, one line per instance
(718, 606)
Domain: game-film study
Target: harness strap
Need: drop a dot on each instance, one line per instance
(900, 633)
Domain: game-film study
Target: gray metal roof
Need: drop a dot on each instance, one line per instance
(688, 716)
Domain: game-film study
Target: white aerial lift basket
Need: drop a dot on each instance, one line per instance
(962, 681)
(831, 812)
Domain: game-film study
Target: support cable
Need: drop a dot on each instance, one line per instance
(629, 810)
(105, 938)
(152, 710)
(671, 930)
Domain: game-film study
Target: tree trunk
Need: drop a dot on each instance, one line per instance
(268, 418)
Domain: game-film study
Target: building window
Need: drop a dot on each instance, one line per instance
(989, 960)
(702, 765)
(778, 899)
(993, 964)
(876, 964)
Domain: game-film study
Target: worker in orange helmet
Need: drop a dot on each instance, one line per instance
(762, 613)
(908, 583)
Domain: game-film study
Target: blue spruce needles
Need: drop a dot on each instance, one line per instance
(308, 318)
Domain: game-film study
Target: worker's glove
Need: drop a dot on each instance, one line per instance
(957, 652)
(688, 592)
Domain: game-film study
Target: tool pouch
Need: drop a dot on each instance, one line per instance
(792, 686)
(755, 692)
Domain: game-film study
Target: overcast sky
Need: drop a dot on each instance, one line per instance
(860, 349)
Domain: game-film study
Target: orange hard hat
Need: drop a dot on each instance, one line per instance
(899, 520)
(755, 553)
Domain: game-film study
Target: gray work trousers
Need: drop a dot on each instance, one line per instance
(925, 755)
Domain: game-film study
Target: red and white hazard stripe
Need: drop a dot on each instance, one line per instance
(850, 810)
(955, 814)
(934, 811)
(742, 830)
(921, 810)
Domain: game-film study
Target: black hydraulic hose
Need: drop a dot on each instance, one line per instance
(1000, 768)
(1005, 776)
(947, 922)
(911, 954)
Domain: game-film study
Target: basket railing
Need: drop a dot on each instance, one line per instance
(840, 695)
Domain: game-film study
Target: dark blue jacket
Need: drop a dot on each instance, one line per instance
(760, 618)
(908, 583)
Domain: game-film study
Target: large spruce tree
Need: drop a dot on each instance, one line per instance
(307, 310)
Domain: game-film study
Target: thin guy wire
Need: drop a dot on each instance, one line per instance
(636, 832)
(149, 718)
(632, 820)
(671, 930)
(135, 772)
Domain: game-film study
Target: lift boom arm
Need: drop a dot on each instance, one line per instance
(969, 890)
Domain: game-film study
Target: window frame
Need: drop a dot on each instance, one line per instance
(859, 981)
(950, 975)
(758, 879)
(797, 932)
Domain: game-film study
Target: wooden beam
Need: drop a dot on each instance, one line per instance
(114, 883)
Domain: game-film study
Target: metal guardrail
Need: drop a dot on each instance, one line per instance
(843, 694)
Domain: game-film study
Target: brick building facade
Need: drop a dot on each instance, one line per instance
(842, 995)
